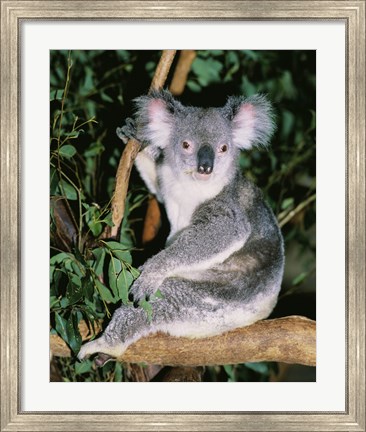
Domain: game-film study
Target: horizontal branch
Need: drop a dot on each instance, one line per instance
(290, 340)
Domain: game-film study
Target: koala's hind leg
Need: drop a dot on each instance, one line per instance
(188, 308)
(127, 325)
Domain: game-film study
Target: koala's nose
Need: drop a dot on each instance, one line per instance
(205, 159)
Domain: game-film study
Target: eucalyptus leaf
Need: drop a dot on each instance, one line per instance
(119, 251)
(147, 308)
(260, 367)
(67, 151)
(99, 254)
(73, 334)
(124, 281)
(69, 190)
(114, 270)
(74, 291)
(104, 292)
(83, 367)
(61, 327)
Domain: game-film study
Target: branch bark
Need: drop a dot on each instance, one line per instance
(289, 340)
(152, 221)
(283, 219)
(130, 152)
(181, 71)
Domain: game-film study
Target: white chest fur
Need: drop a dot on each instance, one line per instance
(183, 194)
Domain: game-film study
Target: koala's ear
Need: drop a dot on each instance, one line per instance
(252, 120)
(155, 117)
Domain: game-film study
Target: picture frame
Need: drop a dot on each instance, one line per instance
(12, 13)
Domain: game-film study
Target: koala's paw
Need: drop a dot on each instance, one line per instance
(89, 349)
(144, 287)
(127, 131)
(105, 351)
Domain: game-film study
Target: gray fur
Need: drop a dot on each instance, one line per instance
(223, 264)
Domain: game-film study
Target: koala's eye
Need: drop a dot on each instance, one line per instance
(223, 148)
(186, 145)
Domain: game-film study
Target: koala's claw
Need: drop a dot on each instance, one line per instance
(143, 289)
(138, 292)
(127, 131)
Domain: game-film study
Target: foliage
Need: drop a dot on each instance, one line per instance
(90, 95)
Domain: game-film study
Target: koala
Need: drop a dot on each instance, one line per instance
(223, 263)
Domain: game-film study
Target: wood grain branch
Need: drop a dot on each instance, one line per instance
(130, 152)
(179, 80)
(283, 219)
(289, 340)
(152, 220)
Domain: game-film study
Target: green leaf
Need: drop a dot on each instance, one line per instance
(77, 268)
(146, 306)
(104, 292)
(119, 251)
(56, 94)
(299, 278)
(253, 55)
(288, 123)
(105, 97)
(95, 149)
(108, 219)
(233, 58)
(286, 203)
(99, 254)
(52, 271)
(85, 366)
(87, 287)
(64, 302)
(150, 66)
(118, 372)
(92, 217)
(287, 85)
(193, 86)
(53, 301)
(157, 295)
(59, 258)
(68, 190)
(54, 180)
(67, 151)
(135, 273)
(207, 70)
(88, 84)
(124, 281)
(229, 369)
(73, 334)
(74, 291)
(61, 327)
(247, 87)
(261, 368)
(114, 270)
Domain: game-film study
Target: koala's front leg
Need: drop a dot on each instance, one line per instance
(127, 131)
(150, 279)
(197, 248)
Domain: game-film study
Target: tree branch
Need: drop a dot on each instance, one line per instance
(186, 58)
(152, 221)
(283, 219)
(130, 152)
(289, 340)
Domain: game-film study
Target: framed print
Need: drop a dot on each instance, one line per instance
(41, 42)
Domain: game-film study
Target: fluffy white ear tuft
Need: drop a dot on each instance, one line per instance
(253, 122)
(159, 123)
(155, 118)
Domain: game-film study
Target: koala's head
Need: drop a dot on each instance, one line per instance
(203, 143)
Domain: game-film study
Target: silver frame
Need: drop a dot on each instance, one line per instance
(353, 13)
